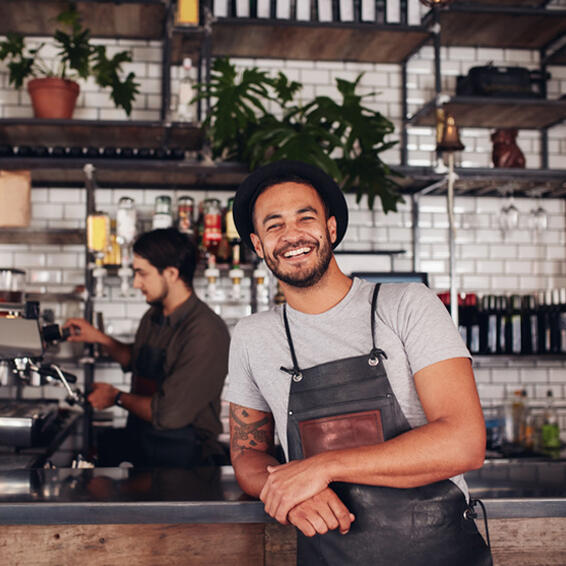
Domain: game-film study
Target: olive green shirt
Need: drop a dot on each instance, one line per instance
(181, 360)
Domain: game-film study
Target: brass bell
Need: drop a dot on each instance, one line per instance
(450, 140)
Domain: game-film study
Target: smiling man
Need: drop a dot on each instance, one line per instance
(178, 362)
(370, 390)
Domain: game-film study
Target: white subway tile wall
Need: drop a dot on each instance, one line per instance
(488, 260)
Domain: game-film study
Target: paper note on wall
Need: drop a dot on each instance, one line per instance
(15, 187)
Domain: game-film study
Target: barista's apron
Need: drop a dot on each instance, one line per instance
(179, 448)
(424, 526)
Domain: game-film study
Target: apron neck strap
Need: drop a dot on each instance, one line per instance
(376, 352)
(295, 372)
(373, 312)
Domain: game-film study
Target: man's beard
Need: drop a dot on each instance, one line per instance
(158, 301)
(306, 278)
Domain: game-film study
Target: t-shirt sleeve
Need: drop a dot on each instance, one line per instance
(427, 329)
(241, 387)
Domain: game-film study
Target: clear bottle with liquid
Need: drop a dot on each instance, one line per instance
(550, 433)
(185, 107)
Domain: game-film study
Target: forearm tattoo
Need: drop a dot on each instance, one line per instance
(250, 431)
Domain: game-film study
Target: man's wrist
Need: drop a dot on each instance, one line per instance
(118, 399)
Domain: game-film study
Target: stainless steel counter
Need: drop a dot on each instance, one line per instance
(509, 489)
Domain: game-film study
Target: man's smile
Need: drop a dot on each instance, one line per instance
(297, 252)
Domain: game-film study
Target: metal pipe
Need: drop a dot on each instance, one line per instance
(452, 239)
(415, 213)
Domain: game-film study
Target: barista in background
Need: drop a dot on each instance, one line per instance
(178, 362)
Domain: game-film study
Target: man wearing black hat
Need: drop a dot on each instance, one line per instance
(374, 401)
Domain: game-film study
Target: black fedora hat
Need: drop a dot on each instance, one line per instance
(282, 171)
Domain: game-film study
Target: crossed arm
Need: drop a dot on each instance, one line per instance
(452, 442)
(251, 450)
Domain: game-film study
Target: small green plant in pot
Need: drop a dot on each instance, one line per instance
(255, 120)
(76, 58)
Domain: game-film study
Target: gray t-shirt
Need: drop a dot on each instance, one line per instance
(413, 328)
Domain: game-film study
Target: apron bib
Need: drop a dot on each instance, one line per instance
(350, 402)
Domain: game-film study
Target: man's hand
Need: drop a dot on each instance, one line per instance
(102, 395)
(290, 484)
(82, 331)
(322, 513)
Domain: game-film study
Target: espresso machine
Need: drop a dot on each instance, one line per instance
(22, 347)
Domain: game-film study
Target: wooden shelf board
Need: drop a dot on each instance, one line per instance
(129, 19)
(497, 26)
(47, 237)
(242, 37)
(98, 133)
(484, 112)
(129, 173)
(511, 3)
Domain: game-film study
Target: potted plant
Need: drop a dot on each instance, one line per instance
(344, 138)
(76, 58)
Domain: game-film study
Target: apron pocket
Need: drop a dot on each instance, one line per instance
(347, 430)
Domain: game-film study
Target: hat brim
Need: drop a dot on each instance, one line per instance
(326, 187)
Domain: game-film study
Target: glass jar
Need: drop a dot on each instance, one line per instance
(126, 220)
(162, 216)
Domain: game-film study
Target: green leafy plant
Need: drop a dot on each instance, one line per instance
(76, 58)
(253, 119)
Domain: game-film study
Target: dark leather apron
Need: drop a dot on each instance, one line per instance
(424, 526)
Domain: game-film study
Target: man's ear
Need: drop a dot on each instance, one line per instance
(257, 245)
(171, 274)
(332, 228)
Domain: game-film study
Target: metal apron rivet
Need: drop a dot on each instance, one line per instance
(373, 361)
(297, 377)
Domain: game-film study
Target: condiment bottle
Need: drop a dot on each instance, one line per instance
(550, 428)
(212, 232)
(185, 215)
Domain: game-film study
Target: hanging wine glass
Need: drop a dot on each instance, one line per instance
(509, 214)
(538, 217)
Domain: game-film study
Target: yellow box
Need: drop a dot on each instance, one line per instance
(187, 13)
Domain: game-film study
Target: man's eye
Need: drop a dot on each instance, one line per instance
(272, 227)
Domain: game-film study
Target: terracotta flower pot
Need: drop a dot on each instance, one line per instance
(53, 97)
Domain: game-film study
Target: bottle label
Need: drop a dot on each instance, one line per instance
(534, 333)
(492, 334)
(161, 220)
(562, 328)
(212, 229)
(474, 339)
(516, 333)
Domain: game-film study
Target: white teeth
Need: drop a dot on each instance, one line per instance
(297, 252)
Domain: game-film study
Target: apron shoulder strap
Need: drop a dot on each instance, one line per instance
(376, 352)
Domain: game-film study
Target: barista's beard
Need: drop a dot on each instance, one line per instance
(309, 277)
(158, 301)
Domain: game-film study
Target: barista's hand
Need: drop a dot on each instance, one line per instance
(322, 513)
(82, 331)
(290, 484)
(102, 395)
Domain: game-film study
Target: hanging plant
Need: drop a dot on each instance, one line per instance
(254, 119)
